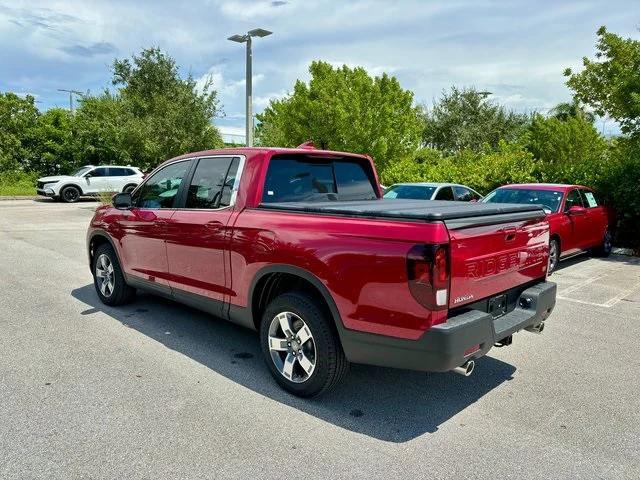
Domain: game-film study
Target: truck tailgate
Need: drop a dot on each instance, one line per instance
(489, 259)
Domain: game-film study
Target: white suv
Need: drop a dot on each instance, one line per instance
(90, 180)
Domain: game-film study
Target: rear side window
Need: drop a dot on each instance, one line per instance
(573, 200)
(296, 179)
(464, 194)
(212, 183)
(445, 193)
(590, 198)
(119, 172)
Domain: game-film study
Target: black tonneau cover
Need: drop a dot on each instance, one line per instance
(454, 214)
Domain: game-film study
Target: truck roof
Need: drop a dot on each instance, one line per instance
(250, 151)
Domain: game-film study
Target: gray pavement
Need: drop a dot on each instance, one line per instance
(157, 390)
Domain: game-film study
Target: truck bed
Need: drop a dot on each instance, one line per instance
(454, 214)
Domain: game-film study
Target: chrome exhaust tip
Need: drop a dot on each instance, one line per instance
(536, 328)
(466, 368)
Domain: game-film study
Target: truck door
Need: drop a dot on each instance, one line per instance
(200, 233)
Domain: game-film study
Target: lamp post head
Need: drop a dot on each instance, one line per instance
(259, 32)
(238, 38)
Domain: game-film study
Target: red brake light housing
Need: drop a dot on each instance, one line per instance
(428, 275)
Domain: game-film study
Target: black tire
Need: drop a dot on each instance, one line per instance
(120, 293)
(604, 249)
(70, 194)
(129, 188)
(554, 246)
(331, 365)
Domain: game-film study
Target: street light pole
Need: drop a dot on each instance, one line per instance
(249, 94)
(246, 38)
(71, 93)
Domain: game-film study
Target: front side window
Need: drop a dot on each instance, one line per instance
(212, 183)
(100, 172)
(162, 188)
(445, 193)
(574, 199)
(299, 178)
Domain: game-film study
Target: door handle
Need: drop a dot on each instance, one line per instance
(213, 225)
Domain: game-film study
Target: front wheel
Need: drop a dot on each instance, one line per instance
(554, 255)
(70, 194)
(300, 345)
(109, 279)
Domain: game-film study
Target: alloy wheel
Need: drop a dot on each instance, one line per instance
(71, 195)
(292, 347)
(105, 275)
(553, 255)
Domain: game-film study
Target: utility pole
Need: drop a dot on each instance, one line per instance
(256, 32)
(71, 93)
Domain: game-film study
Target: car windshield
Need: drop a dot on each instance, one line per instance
(549, 199)
(81, 172)
(411, 192)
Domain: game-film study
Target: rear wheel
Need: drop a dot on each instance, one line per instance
(109, 279)
(604, 250)
(554, 255)
(70, 194)
(300, 345)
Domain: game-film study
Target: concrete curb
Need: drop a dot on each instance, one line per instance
(623, 251)
(19, 197)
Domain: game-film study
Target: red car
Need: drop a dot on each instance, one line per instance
(299, 245)
(578, 221)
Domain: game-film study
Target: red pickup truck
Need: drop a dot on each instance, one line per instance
(299, 245)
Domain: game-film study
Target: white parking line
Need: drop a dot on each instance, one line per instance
(608, 304)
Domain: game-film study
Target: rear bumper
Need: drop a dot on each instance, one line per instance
(443, 346)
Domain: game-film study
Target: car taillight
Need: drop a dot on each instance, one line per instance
(428, 275)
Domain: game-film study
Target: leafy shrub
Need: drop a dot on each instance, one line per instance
(16, 182)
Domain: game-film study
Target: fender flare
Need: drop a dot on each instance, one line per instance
(304, 274)
(70, 185)
(103, 234)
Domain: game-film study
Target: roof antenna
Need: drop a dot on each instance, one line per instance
(308, 145)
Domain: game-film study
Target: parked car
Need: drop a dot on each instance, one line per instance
(89, 181)
(578, 221)
(298, 245)
(432, 191)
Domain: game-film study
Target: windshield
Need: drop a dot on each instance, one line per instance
(550, 199)
(411, 192)
(81, 172)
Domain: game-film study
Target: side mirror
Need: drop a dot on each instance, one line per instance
(122, 201)
(576, 210)
(88, 175)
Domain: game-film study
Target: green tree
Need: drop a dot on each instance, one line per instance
(572, 109)
(51, 142)
(610, 84)
(154, 115)
(570, 151)
(345, 109)
(466, 119)
(17, 117)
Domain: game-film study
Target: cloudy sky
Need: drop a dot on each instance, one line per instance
(515, 49)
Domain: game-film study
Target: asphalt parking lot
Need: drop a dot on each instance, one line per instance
(158, 390)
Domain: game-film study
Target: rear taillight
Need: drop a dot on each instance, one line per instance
(428, 275)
